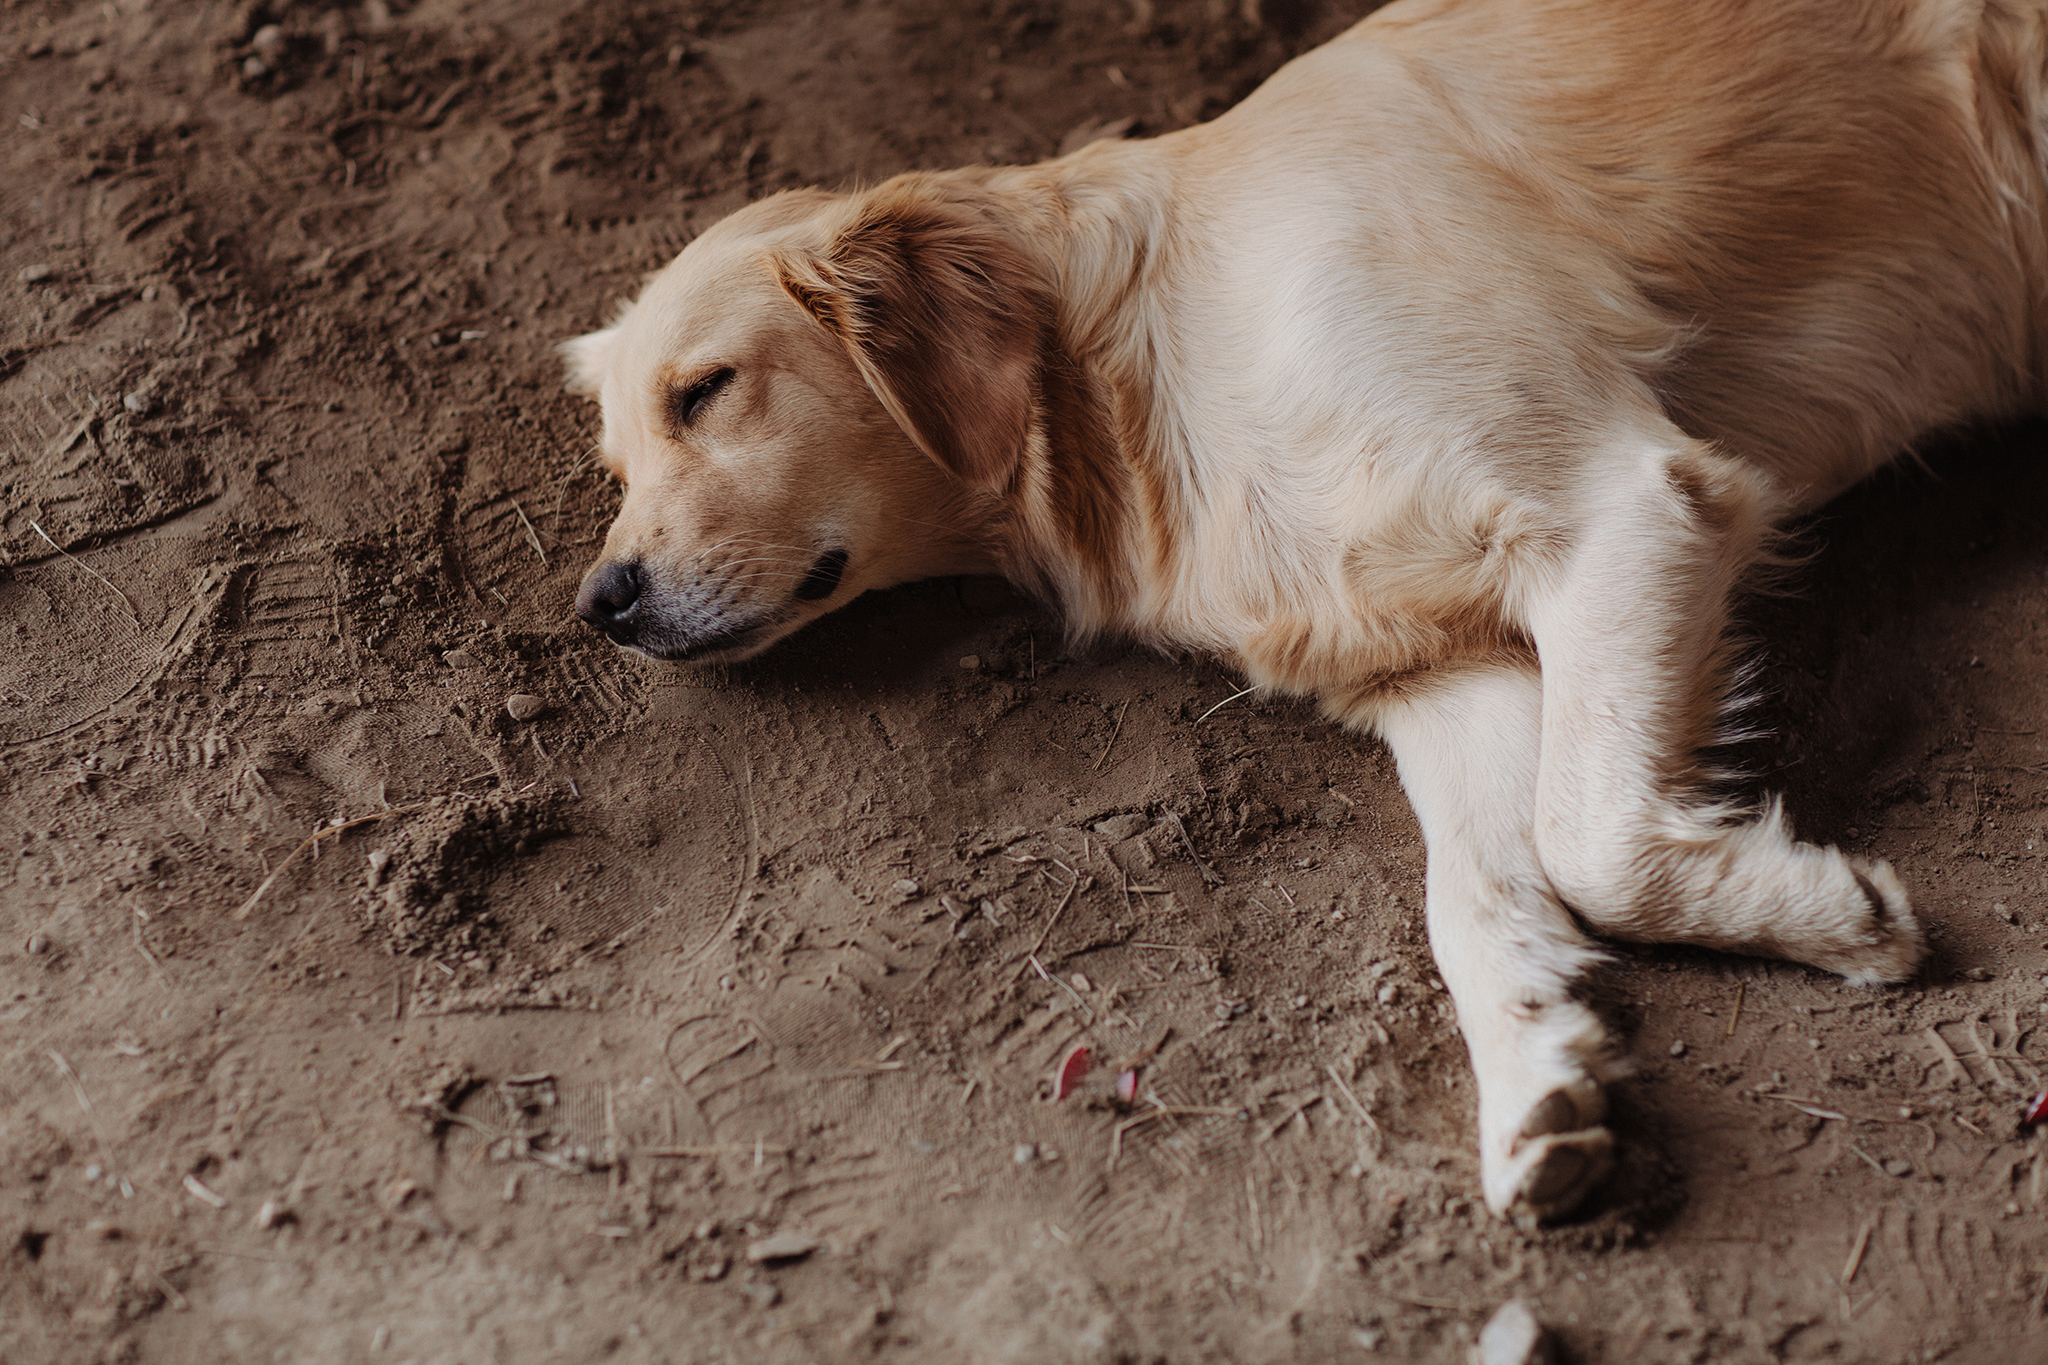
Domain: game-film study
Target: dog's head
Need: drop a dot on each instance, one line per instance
(820, 395)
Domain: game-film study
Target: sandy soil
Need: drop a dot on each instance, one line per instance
(568, 1015)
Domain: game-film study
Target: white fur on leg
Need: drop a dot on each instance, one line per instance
(1508, 950)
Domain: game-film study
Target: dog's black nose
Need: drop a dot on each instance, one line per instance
(609, 594)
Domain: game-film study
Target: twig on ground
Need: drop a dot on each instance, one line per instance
(1046, 933)
(1210, 876)
(130, 606)
(1243, 691)
(1855, 1261)
(532, 536)
(249, 905)
(1115, 730)
(1364, 1116)
(756, 1149)
(1032, 958)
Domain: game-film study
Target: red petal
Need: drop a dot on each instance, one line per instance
(2037, 1112)
(1072, 1069)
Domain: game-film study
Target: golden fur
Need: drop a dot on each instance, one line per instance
(1455, 378)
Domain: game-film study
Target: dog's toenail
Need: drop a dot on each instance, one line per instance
(1554, 1176)
(1554, 1113)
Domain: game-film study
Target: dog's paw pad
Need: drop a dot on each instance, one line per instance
(1556, 1173)
(1567, 1109)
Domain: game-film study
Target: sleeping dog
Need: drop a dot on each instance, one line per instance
(1454, 379)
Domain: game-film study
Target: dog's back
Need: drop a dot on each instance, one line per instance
(1814, 227)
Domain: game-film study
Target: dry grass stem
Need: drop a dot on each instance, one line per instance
(1114, 731)
(532, 536)
(125, 603)
(248, 906)
(1855, 1261)
(1243, 691)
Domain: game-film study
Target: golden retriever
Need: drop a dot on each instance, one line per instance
(1455, 379)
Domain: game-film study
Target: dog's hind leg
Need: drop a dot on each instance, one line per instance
(1630, 635)
(1467, 739)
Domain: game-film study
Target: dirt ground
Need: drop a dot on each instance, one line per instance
(568, 1017)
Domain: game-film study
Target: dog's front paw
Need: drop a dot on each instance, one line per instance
(1556, 1158)
(1886, 945)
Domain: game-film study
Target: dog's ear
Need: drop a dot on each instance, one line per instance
(945, 320)
(587, 357)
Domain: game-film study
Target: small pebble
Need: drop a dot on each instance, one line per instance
(138, 403)
(268, 42)
(254, 68)
(379, 860)
(149, 292)
(389, 599)
(458, 658)
(763, 1293)
(35, 274)
(268, 1216)
(1678, 1048)
(524, 706)
(907, 887)
(1025, 1153)
(1122, 826)
(1899, 1167)
(782, 1246)
(970, 661)
(93, 1173)
(37, 943)
(1513, 1336)
(1080, 982)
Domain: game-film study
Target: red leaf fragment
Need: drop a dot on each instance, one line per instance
(1072, 1068)
(2037, 1111)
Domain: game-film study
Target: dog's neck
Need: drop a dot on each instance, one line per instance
(1093, 519)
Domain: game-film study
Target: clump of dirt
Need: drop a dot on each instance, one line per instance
(444, 864)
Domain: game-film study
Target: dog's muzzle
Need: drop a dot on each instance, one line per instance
(699, 619)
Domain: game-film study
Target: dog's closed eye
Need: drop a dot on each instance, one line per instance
(686, 401)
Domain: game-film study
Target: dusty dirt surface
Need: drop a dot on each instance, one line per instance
(713, 1016)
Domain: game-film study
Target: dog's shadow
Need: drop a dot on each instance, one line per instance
(1908, 638)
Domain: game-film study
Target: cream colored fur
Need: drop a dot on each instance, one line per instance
(1455, 378)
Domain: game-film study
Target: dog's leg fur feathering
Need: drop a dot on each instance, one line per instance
(1468, 742)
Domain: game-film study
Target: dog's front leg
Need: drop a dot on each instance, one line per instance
(1630, 635)
(1467, 742)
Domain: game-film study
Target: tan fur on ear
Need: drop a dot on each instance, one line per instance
(587, 357)
(944, 317)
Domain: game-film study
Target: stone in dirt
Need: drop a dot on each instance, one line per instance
(1513, 1336)
(1122, 826)
(524, 706)
(782, 1246)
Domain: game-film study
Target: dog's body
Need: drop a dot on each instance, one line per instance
(1454, 378)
